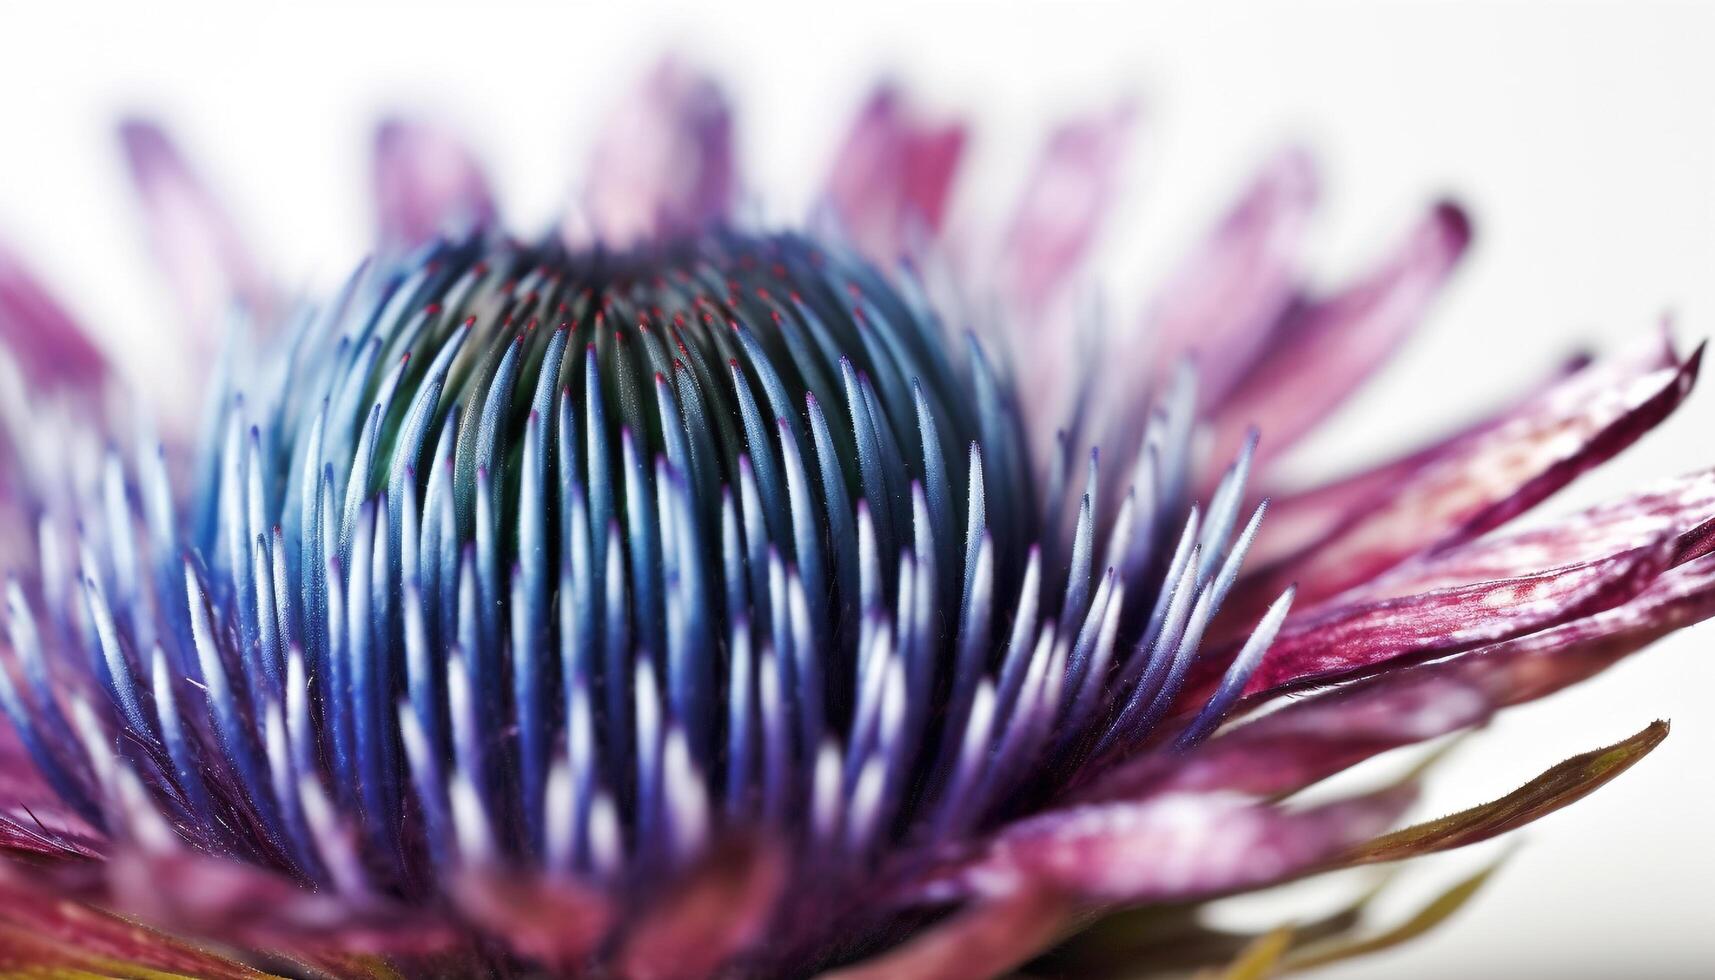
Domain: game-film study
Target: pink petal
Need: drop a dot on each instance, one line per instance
(427, 184)
(44, 936)
(199, 247)
(987, 939)
(1307, 740)
(1328, 348)
(1676, 508)
(49, 346)
(1343, 639)
(717, 910)
(893, 175)
(1178, 847)
(1225, 302)
(1310, 739)
(1477, 483)
(1064, 202)
(1298, 518)
(665, 164)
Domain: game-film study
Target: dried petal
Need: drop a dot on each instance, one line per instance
(1560, 785)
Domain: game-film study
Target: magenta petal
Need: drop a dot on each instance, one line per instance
(893, 175)
(36, 330)
(665, 163)
(1307, 740)
(1299, 518)
(427, 183)
(1330, 346)
(199, 247)
(1224, 303)
(1345, 639)
(1178, 847)
(703, 919)
(1480, 482)
(1063, 204)
(987, 939)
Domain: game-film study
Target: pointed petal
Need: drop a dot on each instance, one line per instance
(1310, 739)
(1560, 785)
(1063, 204)
(199, 247)
(1299, 518)
(427, 183)
(1330, 346)
(893, 175)
(1343, 640)
(1225, 302)
(665, 164)
(1481, 482)
(35, 329)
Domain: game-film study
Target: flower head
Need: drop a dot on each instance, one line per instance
(675, 597)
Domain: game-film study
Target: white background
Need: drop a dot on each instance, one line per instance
(1582, 137)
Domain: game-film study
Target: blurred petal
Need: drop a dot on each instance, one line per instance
(1063, 204)
(1307, 740)
(989, 938)
(1224, 303)
(1326, 349)
(665, 163)
(40, 335)
(717, 910)
(555, 922)
(1426, 919)
(427, 184)
(1559, 786)
(1480, 482)
(1178, 847)
(199, 247)
(893, 175)
(45, 936)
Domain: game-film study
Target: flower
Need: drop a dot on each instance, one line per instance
(677, 597)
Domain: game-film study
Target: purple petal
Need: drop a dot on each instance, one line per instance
(1063, 204)
(1297, 519)
(893, 175)
(43, 937)
(557, 923)
(427, 183)
(1224, 303)
(1344, 639)
(665, 163)
(199, 247)
(49, 346)
(1330, 346)
(1307, 740)
(989, 938)
(718, 909)
(1480, 482)
(1179, 847)
(1310, 739)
